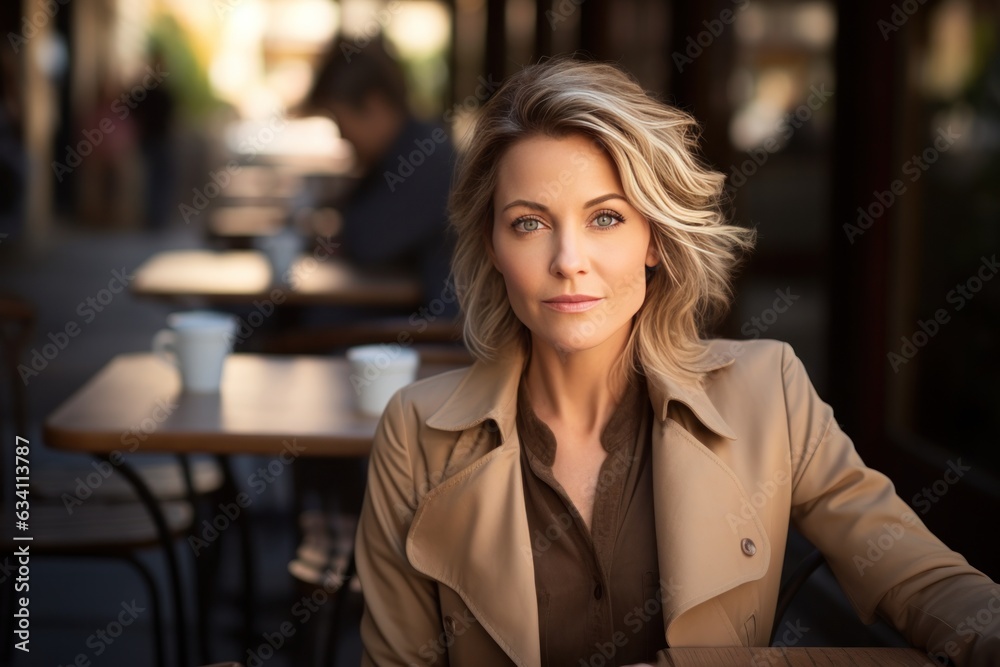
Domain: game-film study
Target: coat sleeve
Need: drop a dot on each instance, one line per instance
(884, 557)
(401, 624)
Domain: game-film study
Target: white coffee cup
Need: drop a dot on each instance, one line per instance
(378, 372)
(281, 250)
(197, 343)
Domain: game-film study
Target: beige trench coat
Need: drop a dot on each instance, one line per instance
(444, 551)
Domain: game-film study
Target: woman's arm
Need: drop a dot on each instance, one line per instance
(882, 554)
(401, 622)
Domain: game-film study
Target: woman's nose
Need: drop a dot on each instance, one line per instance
(569, 255)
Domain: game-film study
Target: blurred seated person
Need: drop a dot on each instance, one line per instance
(396, 217)
(397, 214)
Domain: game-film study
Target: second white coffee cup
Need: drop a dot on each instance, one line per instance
(378, 372)
(197, 343)
(281, 250)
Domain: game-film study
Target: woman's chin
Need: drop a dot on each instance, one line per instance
(573, 342)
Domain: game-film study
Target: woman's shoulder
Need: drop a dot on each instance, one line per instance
(426, 420)
(457, 399)
(749, 378)
(427, 395)
(758, 354)
(761, 366)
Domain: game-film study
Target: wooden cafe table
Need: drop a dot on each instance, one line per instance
(243, 276)
(264, 401)
(792, 657)
(246, 222)
(268, 405)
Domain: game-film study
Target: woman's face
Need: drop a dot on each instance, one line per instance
(571, 249)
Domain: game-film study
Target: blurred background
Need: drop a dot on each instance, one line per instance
(861, 140)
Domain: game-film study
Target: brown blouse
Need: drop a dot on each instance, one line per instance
(598, 589)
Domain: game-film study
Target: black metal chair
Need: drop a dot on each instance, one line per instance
(791, 585)
(94, 529)
(334, 578)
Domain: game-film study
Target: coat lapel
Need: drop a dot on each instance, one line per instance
(471, 532)
(695, 494)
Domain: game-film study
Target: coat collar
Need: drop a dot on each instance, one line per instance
(471, 532)
(489, 392)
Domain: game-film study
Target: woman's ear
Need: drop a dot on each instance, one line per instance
(652, 253)
(652, 256)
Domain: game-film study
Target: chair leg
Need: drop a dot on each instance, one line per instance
(246, 554)
(157, 604)
(166, 541)
(322, 650)
(329, 649)
(208, 564)
(201, 573)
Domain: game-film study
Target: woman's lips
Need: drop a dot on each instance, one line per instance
(573, 304)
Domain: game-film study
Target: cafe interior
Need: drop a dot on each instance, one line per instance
(167, 168)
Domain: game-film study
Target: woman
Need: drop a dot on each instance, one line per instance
(581, 494)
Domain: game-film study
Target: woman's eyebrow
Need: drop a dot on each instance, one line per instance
(604, 198)
(543, 208)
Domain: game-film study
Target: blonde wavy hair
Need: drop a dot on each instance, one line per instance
(653, 147)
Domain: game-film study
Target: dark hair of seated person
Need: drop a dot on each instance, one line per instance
(350, 72)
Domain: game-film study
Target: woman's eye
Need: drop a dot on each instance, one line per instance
(605, 220)
(528, 225)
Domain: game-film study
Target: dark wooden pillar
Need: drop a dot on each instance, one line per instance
(496, 38)
(543, 29)
(697, 76)
(594, 28)
(862, 164)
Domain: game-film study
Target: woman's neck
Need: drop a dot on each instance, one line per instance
(578, 391)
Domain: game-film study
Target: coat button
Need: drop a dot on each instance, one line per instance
(449, 625)
(748, 547)
(598, 591)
